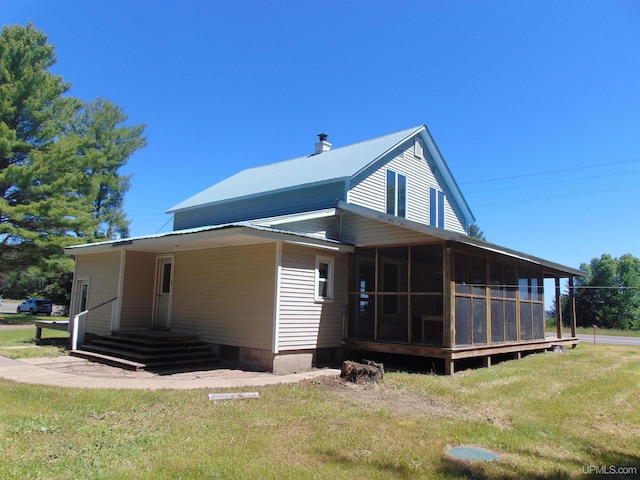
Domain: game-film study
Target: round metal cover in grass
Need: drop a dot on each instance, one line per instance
(472, 453)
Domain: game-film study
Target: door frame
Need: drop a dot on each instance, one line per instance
(77, 303)
(158, 285)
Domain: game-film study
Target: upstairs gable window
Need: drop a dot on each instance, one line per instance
(396, 194)
(418, 152)
(436, 208)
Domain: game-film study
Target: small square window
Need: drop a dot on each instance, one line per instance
(324, 279)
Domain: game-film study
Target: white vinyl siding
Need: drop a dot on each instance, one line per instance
(103, 272)
(305, 323)
(137, 291)
(368, 189)
(365, 231)
(226, 295)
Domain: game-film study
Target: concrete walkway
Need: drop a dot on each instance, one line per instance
(68, 371)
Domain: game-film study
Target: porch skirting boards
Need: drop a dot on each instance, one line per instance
(451, 355)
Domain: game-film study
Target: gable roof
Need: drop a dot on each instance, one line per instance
(336, 164)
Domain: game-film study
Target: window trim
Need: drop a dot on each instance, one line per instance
(395, 194)
(437, 208)
(330, 280)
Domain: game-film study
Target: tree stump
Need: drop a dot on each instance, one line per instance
(367, 372)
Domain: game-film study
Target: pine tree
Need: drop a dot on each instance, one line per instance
(59, 157)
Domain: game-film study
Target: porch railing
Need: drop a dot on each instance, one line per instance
(78, 324)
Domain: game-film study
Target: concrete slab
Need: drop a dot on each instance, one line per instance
(73, 372)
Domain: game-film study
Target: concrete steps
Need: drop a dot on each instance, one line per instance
(147, 350)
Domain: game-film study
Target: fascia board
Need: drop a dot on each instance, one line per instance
(447, 175)
(295, 217)
(390, 149)
(153, 242)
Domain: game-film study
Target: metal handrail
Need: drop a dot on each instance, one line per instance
(79, 322)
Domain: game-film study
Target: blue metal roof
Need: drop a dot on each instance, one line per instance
(336, 164)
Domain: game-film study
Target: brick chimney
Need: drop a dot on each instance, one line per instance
(322, 145)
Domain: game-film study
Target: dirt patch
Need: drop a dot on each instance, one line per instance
(406, 402)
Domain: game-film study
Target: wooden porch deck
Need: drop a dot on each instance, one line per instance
(450, 355)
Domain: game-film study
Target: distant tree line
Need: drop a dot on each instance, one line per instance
(609, 295)
(60, 160)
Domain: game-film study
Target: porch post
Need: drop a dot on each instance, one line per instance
(558, 309)
(448, 323)
(449, 366)
(572, 307)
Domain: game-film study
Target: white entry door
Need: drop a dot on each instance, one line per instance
(164, 289)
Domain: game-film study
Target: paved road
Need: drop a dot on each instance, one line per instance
(609, 339)
(8, 307)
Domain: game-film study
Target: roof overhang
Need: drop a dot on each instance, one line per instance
(208, 237)
(552, 268)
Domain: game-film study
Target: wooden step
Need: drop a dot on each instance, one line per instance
(108, 360)
(146, 357)
(152, 350)
(107, 343)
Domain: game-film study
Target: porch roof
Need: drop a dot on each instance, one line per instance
(242, 233)
(552, 268)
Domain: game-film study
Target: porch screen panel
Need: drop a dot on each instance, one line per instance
(526, 327)
(427, 294)
(427, 319)
(392, 318)
(471, 297)
(502, 280)
(463, 321)
(363, 295)
(479, 318)
(511, 328)
(538, 321)
(497, 321)
(363, 317)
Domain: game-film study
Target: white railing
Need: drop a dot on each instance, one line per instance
(77, 325)
(77, 328)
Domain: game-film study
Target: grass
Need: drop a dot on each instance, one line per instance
(23, 344)
(548, 416)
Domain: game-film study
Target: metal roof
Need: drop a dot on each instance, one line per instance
(336, 164)
(240, 233)
(458, 238)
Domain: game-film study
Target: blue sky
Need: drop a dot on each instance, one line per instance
(535, 105)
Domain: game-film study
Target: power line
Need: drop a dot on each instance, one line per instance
(572, 169)
(533, 200)
(579, 179)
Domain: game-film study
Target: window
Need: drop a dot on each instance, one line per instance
(418, 149)
(436, 208)
(324, 279)
(396, 194)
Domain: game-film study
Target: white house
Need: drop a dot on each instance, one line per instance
(291, 264)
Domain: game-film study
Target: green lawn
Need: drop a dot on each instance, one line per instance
(23, 344)
(548, 416)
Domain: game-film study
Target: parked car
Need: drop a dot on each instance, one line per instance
(35, 306)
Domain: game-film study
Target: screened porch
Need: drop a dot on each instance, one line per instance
(447, 300)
